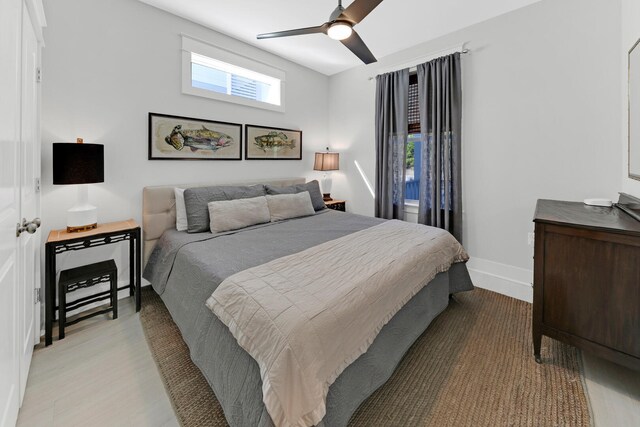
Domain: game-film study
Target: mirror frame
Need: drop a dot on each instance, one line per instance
(631, 175)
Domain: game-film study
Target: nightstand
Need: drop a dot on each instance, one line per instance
(60, 241)
(337, 205)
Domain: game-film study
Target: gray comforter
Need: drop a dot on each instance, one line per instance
(186, 268)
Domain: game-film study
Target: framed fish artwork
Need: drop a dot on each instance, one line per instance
(186, 138)
(267, 143)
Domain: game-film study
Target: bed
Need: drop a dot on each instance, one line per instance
(184, 269)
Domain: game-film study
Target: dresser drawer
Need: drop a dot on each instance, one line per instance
(591, 289)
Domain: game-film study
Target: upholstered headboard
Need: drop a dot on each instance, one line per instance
(159, 207)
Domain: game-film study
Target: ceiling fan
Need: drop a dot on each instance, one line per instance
(340, 27)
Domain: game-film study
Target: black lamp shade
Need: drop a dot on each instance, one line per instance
(75, 163)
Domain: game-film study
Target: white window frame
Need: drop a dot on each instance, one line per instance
(192, 45)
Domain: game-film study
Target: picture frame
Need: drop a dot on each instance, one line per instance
(187, 138)
(270, 143)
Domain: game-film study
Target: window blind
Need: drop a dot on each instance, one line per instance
(413, 114)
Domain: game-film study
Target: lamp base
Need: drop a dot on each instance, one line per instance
(80, 228)
(82, 218)
(326, 197)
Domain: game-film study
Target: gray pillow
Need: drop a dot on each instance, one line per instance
(313, 187)
(196, 200)
(239, 213)
(285, 206)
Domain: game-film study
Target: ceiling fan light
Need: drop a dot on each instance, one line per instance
(339, 31)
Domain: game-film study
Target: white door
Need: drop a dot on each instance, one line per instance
(19, 197)
(10, 35)
(29, 244)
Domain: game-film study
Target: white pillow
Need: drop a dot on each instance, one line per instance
(227, 215)
(181, 210)
(285, 206)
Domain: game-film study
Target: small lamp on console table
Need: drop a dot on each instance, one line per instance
(79, 164)
(325, 162)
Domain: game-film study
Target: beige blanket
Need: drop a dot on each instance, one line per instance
(305, 317)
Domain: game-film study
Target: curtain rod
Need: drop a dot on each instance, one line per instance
(426, 58)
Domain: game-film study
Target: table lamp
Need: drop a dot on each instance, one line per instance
(325, 162)
(79, 164)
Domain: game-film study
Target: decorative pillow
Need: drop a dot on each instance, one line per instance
(181, 210)
(285, 206)
(196, 200)
(240, 213)
(313, 187)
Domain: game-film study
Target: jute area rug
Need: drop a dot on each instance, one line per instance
(472, 367)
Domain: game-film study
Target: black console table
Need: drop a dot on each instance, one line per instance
(60, 241)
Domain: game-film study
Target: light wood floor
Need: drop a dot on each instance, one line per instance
(103, 374)
(614, 393)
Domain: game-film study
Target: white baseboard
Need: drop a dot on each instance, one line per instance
(505, 279)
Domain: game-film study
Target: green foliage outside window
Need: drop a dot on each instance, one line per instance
(410, 154)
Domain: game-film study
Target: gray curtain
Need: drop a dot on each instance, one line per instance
(440, 99)
(392, 92)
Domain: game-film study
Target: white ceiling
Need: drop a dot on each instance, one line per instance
(394, 25)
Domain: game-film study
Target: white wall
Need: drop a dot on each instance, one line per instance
(541, 119)
(106, 65)
(630, 34)
(541, 114)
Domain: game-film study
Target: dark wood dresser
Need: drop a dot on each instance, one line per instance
(587, 280)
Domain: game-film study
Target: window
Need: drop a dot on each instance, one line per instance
(414, 169)
(414, 144)
(415, 166)
(215, 73)
(217, 76)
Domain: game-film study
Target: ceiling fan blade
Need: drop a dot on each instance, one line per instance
(297, 32)
(355, 44)
(357, 10)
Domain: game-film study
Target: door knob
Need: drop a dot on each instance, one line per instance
(30, 227)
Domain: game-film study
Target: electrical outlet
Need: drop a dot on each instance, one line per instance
(531, 238)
